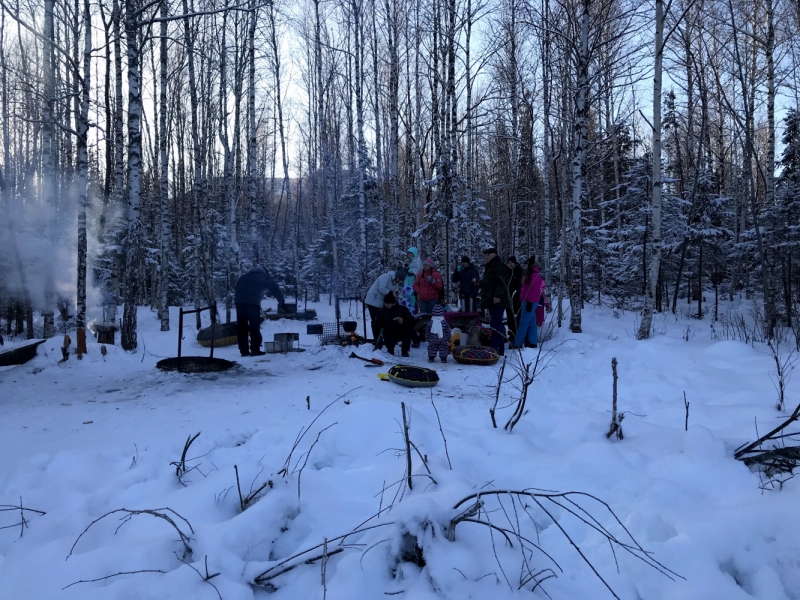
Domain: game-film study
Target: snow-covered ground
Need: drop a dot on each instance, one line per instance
(83, 438)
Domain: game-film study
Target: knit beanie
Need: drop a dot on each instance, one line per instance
(389, 298)
(438, 310)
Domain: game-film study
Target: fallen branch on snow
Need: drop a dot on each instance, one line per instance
(23, 522)
(159, 513)
(523, 501)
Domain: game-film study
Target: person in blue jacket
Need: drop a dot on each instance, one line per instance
(249, 290)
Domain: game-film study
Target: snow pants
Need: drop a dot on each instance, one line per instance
(527, 327)
(248, 320)
(438, 345)
(498, 340)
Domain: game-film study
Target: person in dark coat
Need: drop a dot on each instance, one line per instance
(514, 288)
(395, 324)
(495, 297)
(249, 289)
(468, 280)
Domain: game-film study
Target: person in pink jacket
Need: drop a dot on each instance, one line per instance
(532, 288)
(428, 285)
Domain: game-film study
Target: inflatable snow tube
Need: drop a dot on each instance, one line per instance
(475, 355)
(225, 334)
(413, 376)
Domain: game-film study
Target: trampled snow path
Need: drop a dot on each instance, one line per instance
(81, 439)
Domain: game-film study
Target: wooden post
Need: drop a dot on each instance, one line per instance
(408, 445)
(180, 335)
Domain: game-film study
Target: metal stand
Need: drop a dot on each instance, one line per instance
(213, 311)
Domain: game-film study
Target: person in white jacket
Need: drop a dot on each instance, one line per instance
(388, 282)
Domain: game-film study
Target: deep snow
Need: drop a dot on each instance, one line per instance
(83, 438)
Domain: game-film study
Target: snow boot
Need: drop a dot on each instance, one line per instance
(405, 354)
(444, 359)
(258, 353)
(431, 359)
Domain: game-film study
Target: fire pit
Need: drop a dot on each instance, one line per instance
(195, 364)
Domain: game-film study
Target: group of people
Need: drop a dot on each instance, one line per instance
(506, 290)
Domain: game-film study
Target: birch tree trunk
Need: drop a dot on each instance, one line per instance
(49, 175)
(326, 153)
(770, 51)
(468, 174)
(252, 145)
(165, 241)
(129, 322)
(230, 198)
(378, 140)
(655, 246)
(419, 208)
(394, 116)
(358, 31)
(118, 198)
(287, 187)
(578, 167)
(546, 136)
(83, 170)
(201, 243)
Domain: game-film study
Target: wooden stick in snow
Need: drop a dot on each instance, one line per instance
(686, 404)
(408, 445)
(615, 422)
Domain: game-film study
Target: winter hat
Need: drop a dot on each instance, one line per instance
(413, 251)
(490, 251)
(531, 260)
(389, 298)
(428, 261)
(465, 259)
(513, 259)
(438, 310)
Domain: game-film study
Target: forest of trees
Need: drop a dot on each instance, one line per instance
(153, 150)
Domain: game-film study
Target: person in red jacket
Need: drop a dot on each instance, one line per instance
(428, 286)
(530, 295)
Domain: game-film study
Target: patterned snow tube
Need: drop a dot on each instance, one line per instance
(413, 376)
(475, 355)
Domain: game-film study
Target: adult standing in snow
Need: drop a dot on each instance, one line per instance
(395, 324)
(469, 284)
(413, 266)
(532, 289)
(428, 285)
(495, 297)
(514, 288)
(249, 289)
(388, 282)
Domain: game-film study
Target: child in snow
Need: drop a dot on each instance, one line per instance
(530, 295)
(438, 335)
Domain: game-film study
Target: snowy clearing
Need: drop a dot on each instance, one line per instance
(83, 438)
